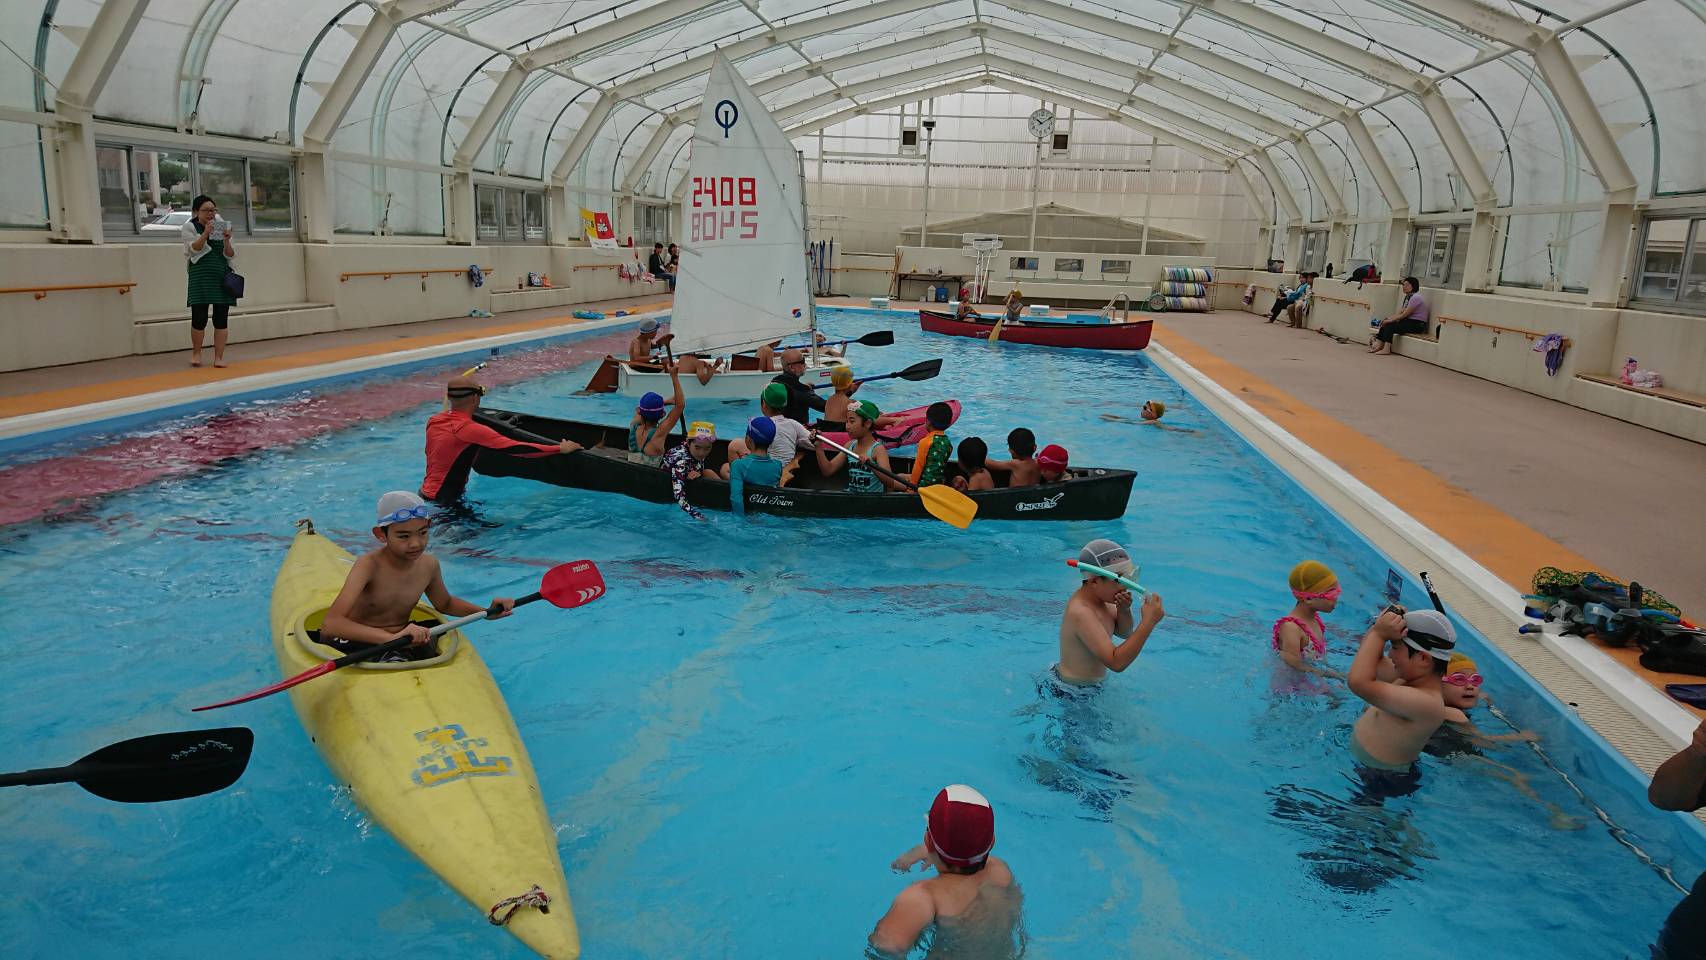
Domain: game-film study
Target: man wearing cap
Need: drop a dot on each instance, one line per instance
(1099, 611)
(645, 342)
(802, 400)
(1402, 714)
(453, 440)
(385, 584)
(973, 902)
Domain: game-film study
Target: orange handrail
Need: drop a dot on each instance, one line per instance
(597, 266)
(1528, 334)
(43, 291)
(1350, 303)
(388, 274)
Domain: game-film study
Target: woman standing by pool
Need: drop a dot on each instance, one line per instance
(207, 246)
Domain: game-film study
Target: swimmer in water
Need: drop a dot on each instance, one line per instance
(971, 908)
(1401, 715)
(1152, 411)
(1022, 470)
(1463, 742)
(1300, 636)
(1099, 611)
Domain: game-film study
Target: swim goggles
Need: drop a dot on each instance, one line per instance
(407, 513)
(460, 392)
(1437, 647)
(1463, 679)
(1332, 594)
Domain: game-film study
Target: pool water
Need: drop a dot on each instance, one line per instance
(736, 740)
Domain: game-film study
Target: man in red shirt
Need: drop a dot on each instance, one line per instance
(453, 440)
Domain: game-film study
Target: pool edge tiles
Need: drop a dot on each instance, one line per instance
(28, 430)
(1389, 531)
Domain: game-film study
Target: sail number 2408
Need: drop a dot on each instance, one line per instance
(725, 219)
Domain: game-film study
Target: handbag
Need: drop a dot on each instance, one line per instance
(233, 284)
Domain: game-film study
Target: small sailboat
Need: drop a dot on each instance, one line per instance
(744, 279)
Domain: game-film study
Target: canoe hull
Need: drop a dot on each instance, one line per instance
(1089, 336)
(430, 753)
(1093, 493)
(742, 385)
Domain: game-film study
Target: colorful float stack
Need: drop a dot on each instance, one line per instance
(1184, 289)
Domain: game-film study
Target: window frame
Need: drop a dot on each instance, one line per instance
(247, 226)
(505, 198)
(1693, 220)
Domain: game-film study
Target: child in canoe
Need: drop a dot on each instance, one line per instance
(929, 467)
(862, 420)
(648, 431)
(974, 475)
(1022, 470)
(385, 584)
(835, 408)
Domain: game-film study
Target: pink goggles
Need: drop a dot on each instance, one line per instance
(1332, 594)
(1463, 679)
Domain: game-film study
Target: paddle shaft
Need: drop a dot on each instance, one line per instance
(925, 370)
(876, 338)
(867, 461)
(81, 770)
(398, 643)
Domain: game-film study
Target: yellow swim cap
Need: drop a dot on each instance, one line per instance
(1313, 576)
(841, 376)
(1460, 664)
(1160, 407)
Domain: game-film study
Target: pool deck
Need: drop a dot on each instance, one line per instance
(1420, 435)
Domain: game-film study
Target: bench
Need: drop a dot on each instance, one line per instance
(165, 332)
(1676, 396)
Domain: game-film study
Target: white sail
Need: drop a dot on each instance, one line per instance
(743, 279)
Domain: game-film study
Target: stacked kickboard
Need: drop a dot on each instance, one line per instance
(1184, 289)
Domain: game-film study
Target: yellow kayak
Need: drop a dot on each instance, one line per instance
(430, 752)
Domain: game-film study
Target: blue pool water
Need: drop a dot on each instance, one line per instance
(741, 735)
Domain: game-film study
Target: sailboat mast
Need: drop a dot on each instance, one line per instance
(805, 230)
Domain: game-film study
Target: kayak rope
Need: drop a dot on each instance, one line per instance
(532, 898)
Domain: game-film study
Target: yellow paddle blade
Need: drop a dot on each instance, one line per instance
(995, 334)
(948, 505)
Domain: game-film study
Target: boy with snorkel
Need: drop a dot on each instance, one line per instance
(1099, 611)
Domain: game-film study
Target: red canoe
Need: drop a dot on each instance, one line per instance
(1092, 336)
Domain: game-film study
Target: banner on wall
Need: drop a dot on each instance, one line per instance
(599, 232)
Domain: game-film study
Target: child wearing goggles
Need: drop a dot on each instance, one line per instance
(1300, 636)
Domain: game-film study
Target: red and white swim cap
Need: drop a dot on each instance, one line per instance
(1053, 457)
(962, 826)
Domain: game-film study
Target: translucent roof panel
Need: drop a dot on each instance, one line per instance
(1669, 64)
(1298, 66)
(1292, 174)
(1403, 33)
(527, 127)
(1357, 187)
(1518, 131)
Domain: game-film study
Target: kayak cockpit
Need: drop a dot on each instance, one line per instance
(307, 633)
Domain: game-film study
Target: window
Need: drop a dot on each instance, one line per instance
(487, 223)
(1662, 253)
(270, 192)
(254, 195)
(1068, 266)
(1122, 267)
(1314, 250)
(1061, 145)
(1023, 263)
(651, 224)
(1438, 254)
(508, 215)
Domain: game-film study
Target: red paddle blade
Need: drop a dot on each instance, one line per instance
(572, 584)
(285, 684)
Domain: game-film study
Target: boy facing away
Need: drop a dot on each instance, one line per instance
(1022, 470)
(971, 908)
(1099, 611)
(386, 583)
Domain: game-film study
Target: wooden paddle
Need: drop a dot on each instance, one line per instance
(161, 766)
(922, 370)
(876, 338)
(565, 585)
(943, 502)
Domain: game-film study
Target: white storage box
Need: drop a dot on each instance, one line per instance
(880, 303)
(1037, 309)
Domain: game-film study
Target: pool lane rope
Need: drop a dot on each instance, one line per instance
(535, 897)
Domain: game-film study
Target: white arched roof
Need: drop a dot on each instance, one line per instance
(1424, 106)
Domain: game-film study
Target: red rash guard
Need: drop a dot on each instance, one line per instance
(453, 440)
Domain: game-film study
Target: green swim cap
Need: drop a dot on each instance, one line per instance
(868, 410)
(775, 396)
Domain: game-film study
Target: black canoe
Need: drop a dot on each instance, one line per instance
(1093, 493)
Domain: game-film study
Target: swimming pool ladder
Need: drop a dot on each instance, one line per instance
(1125, 311)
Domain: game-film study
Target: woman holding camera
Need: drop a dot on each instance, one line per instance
(207, 246)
